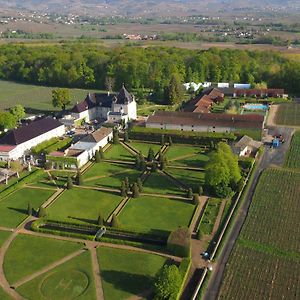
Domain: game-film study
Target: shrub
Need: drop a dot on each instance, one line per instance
(170, 141)
(140, 184)
(100, 220)
(116, 137)
(79, 179)
(199, 234)
(150, 156)
(179, 242)
(97, 157)
(200, 190)
(42, 212)
(196, 199)
(101, 153)
(29, 210)
(126, 138)
(127, 184)
(162, 139)
(48, 165)
(190, 193)
(123, 190)
(135, 191)
(115, 221)
(69, 183)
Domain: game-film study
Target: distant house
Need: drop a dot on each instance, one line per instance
(84, 149)
(204, 122)
(18, 141)
(246, 145)
(104, 106)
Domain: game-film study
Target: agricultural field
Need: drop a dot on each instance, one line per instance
(288, 114)
(126, 274)
(293, 156)
(32, 96)
(146, 214)
(264, 242)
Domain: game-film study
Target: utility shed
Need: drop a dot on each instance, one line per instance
(246, 145)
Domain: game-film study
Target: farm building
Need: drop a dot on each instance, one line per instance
(246, 146)
(204, 122)
(105, 106)
(258, 93)
(84, 149)
(18, 141)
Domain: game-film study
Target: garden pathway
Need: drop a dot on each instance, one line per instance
(98, 188)
(124, 162)
(272, 115)
(48, 268)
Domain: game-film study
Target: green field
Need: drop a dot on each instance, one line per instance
(266, 259)
(293, 156)
(159, 183)
(153, 213)
(13, 208)
(3, 295)
(118, 152)
(83, 205)
(31, 254)
(125, 274)
(288, 114)
(32, 96)
(144, 147)
(4, 236)
(71, 280)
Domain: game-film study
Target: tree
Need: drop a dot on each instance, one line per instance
(154, 167)
(18, 112)
(101, 153)
(199, 234)
(150, 155)
(170, 141)
(143, 163)
(109, 83)
(190, 193)
(116, 137)
(115, 221)
(127, 184)
(174, 91)
(97, 156)
(126, 138)
(16, 166)
(69, 183)
(167, 282)
(29, 209)
(140, 184)
(79, 179)
(123, 190)
(138, 162)
(135, 191)
(7, 120)
(200, 190)
(162, 139)
(60, 98)
(196, 199)
(42, 212)
(100, 219)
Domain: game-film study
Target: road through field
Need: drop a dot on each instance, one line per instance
(270, 157)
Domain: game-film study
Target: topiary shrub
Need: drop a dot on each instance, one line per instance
(69, 183)
(179, 242)
(115, 221)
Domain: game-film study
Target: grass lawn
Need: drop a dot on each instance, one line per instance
(83, 205)
(12, 181)
(190, 178)
(29, 254)
(109, 174)
(118, 152)
(144, 147)
(4, 236)
(159, 183)
(71, 280)
(148, 213)
(32, 96)
(13, 209)
(43, 181)
(3, 295)
(210, 214)
(127, 274)
(288, 114)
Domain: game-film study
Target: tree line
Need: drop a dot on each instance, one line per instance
(87, 65)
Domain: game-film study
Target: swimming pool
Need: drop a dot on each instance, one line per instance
(255, 106)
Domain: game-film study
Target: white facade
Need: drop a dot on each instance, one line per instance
(21, 149)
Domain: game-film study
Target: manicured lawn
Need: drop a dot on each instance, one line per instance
(118, 152)
(109, 174)
(125, 273)
(4, 236)
(3, 295)
(29, 254)
(144, 147)
(83, 205)
(191, 178)
(13, 209)
(148, 213)
(159, 183)
(71, 280)
(43, 181)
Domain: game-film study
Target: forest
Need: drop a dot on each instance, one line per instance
(87, 65)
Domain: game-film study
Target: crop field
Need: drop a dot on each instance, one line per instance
(32, 96)
(288, 114)
(70, 280)
(83, 205)
(31, 253)
(293, 156)
(153, 213)
(265, 263)
(125, 273)
(13, 208)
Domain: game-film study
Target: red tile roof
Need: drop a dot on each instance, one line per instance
(6, 148)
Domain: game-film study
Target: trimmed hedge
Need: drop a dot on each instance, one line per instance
(179, 242)
(177, 136)
(184, 269)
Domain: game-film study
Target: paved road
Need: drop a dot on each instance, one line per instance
(270, 157)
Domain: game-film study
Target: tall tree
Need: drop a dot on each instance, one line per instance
(61, 98)
(18, 112)
(174, 90)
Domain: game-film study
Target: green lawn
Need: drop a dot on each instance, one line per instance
(176, 152)
(159, 183)
(43, 181)
(83, 205)
(71, 280)
(3, 295)
(109, 174)
(32, 96)
(13, 209)
(127, 274)
(154, 213)
(144, 147)
(190, 178)
(4, 236)
(29, 254)
(118, 152)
